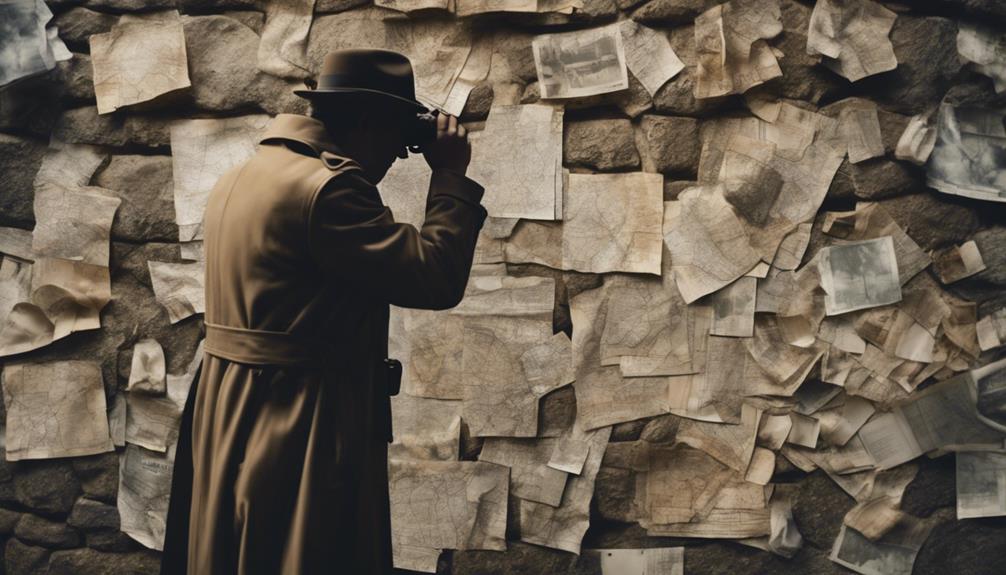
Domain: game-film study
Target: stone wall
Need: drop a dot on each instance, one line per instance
(59, 515)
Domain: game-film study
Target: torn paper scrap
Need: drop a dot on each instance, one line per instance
(282, 50)
(878, 507)
(734, 308)
(569, 455)
(68, 165)
(985, 47)
(425, 428)
(654, 561)
(140, 58)
(958, 262)
(531, 479)
(967, 158)
(852, 35)
(502, 386)
(762, 466)
(474, 71)
(530, 297)
(27, 47)
(869, 221)
(144, 493)
(563, 527)
(708, 246)
(733, 54)
(404, 188)
(990, 384)
(15, 285)
(804, 431)
(438, 50)
(838, 425)
(613, 223)
(16, 242)
(516, 157)
(117, 420)
(580, 63)
(66, 296)
(917, 141)
(201, 152)
(732, 445)
(981, 484)
(894, 554)
(408, 6)
(73, 224)
(446, 505)
(179, 288)
(152, 421)
(991, 330)
(859, 127)
(793, 247)
(55, 409)
(469, 7)
(147, 372)
(429, 344)
(649, 55)
(859, 275)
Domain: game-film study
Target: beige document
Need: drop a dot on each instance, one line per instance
(531, 478)
(958, 262)
(425, 428)
(878, 507)
(152, 420)
(580, 63)
(894, 554)
(282, 50)
(516, 158)
(65, 296)
(147, 372)
(708, 246)
(68, 165)
(16, 242)
(470, 7)
(792, 249)
(563, 527)
(917, 141)
(508, 364)
(965, 161)
(734, 308)
(73, 224)
(859, 126)
(853, 37)
(732, 445)
(179, 288)
(613, 223)
(144, 493)
(733, 54)
(981, 484)
(438, 48)
(15, 285)
(140, 58)
(201, 152)
(649, 55)
(405, 187)
(55, 409)
(429, 345)
(870, 221)
(445, 505)
(839, 424)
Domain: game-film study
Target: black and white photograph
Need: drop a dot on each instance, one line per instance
(858, 553)
(860, 275)
(26, 47)
(981, 484)
(969, 158)
(581, 63)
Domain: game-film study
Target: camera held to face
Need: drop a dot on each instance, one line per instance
(421, 130)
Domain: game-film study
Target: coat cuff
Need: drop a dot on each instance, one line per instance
(456, 185)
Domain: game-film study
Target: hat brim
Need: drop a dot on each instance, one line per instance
(320, 94)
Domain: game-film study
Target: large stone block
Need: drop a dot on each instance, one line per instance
(8, 520)
(657, 12)
(98, 475)
(36, 530)
(934, 220)
(90, 515)
(77, 24)
(130, 5)
(22, 559)
(818, 509)
(76, 79)
(91, 562)
(144, 183)
(605, 145)
(46, 485)
(614, 492)
(20, 159)
(224, 72)
(803, 77)
(120, 129)
(670, 144)
(875, 179)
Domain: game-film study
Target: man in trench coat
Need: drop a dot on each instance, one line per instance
(289, 418)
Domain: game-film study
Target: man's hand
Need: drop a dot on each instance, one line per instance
(451, 149)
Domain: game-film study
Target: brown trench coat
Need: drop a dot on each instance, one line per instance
(290, 415)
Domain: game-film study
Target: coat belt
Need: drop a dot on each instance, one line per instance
(263, 347)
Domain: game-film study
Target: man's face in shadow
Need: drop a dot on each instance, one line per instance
(381, 140)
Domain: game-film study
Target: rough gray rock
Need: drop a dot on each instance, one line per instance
(144, 183)
(632, 101)
(479, 101)
(605, 145)
(20, 159)
(614, 491)
(21, 559)
(91, 515)
(876, 179)
(224, 72)
(35, 530)
(974, 547)
(85, 126)
(676, 97)
(934, 220)
(76, 78)
(661, 429)
(46, 485)
(670, 144)
(672, 188)
(988, 287)
(332, 6)
(596, 11)
(628, 430)
(818, 508)
(657, 12)
(8, 519)
(130, 5)
(91, 562)
(926, 48)
(111, 540)
(78, 23)
(519, 558)
(803, 77)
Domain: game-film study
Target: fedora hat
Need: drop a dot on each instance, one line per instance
(366, 71)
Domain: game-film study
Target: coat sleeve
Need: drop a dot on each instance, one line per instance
(354, 237)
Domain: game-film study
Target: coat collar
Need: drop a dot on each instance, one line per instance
(302, 129)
